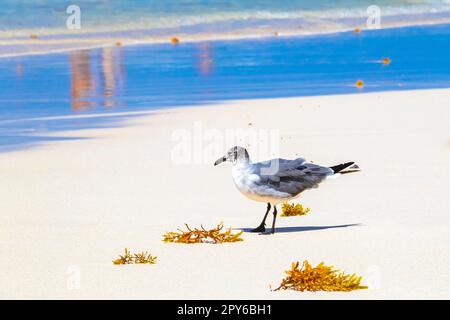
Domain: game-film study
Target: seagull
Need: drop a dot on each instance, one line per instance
(277, 180)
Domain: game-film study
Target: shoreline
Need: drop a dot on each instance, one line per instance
(97, 88)
(129, 118)
(105, 42)
(133, 118)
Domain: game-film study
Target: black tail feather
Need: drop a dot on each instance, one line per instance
(342, 166)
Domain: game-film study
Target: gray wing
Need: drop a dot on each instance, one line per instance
(289, 176)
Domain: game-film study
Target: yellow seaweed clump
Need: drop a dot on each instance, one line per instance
(215, 235)
(136, 258)
(290, 210)
(319, 278)
(359, 84)
(386, 61)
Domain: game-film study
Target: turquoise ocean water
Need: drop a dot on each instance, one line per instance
(48, 17)
(106, 22)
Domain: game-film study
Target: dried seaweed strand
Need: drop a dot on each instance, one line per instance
(136, 258)
(215, 235)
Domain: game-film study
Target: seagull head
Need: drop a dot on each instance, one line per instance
(234, 155)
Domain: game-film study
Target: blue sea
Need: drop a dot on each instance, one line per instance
(48, 17)
(100, 86)
(104, 22)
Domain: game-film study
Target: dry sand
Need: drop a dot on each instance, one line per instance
(69, 208)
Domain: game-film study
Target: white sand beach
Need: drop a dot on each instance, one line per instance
(70, 207)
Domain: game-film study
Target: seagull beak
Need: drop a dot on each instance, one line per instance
(220, 160)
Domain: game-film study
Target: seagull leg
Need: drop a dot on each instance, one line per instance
(274, 218)
(262, 226)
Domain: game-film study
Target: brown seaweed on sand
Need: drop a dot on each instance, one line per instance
(215, 235)
(135, 258)
(319, 278)
(290, 210)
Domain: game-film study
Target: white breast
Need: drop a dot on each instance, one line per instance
(245, 183)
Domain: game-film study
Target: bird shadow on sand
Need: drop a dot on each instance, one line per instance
(302, 228)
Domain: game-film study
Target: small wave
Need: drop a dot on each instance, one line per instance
(144, 25)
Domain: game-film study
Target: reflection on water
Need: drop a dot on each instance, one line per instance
(46, 93)
(113, 75)
(19, 71)
(205, 58)
(82, 80)
(96, 82)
